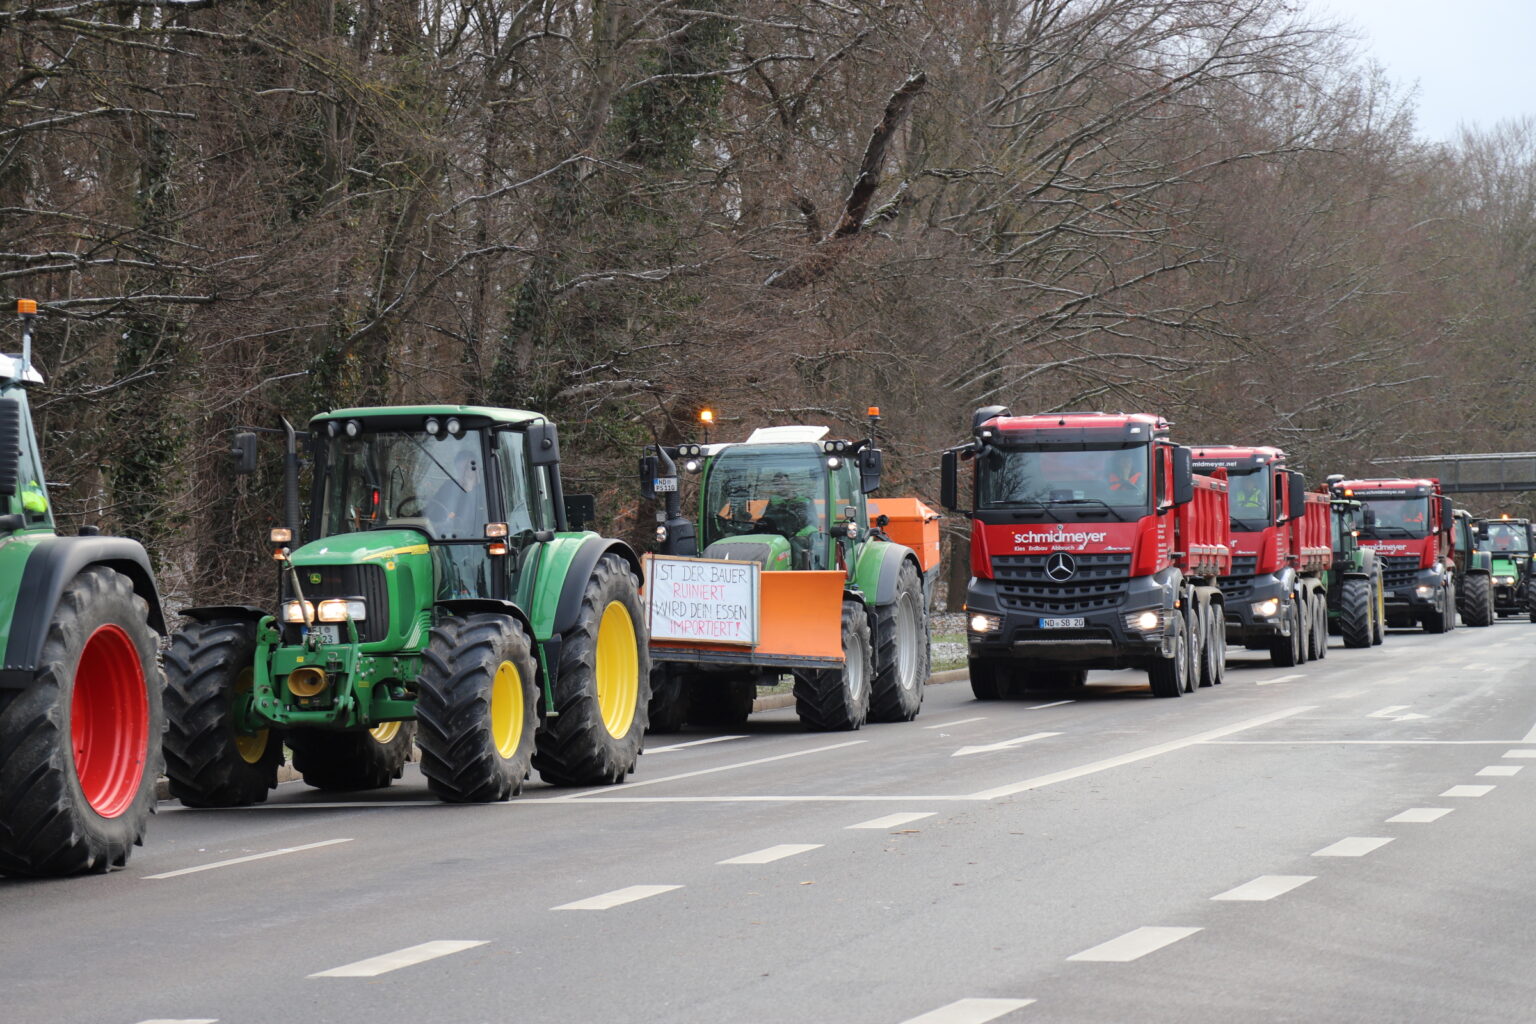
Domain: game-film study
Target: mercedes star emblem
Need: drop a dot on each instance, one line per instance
(1060, 567)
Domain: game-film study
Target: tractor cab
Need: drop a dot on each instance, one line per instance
(23, 494)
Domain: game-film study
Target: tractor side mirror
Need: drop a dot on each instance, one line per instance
(871, 460)
(244, 452)
(580, 509)
(649, 464)
(10, 447)
(948, 486)
(543, 444)
(1183, 475)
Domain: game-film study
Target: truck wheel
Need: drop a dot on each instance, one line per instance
(720, 701)
(1167, 674)
(1285, 651)
(602, 691)
(210, 764)
(1215, 646)
(80, 744)
(1477, 600)
(1319, 626)
(838, 698)
(901, 652)
(1435, 621)
(988, 678)
(1194, 648)
(350, 761)
(476, 708)
(1357, 613)
(669, 699)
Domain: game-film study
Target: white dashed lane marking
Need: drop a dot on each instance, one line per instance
(1420, 815)
(988, 748)
(1052, 704)
(1501, 769)
(772, 853)
(1265, 887)
(246, 860)
(1279, 679)
(1389, 711)
(630, 786)
(894, 820)
(618, 897)
(1520, 753)
(407, 957)
(1469, 791)
(196, 1020)
(958, 721)
(969, 1011)
(692, 743)
(1133, 945)
(1353, 846)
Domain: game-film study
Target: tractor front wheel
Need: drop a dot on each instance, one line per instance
(351, 761)
(901, 652)
(80, 745)
(1357, 613)
(208, 669)
(838, 698)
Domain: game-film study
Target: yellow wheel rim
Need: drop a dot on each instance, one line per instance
(384, 734)
(617, 670)
(250, 746)
(507, 709)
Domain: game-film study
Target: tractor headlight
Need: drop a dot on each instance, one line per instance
(691, 466)
(1504, 580)
(986, 623)
(1267, 608)
(833, 462)
(1144, 621)
(280, 535)
(340, 609)
(298, 611)
(661, 535)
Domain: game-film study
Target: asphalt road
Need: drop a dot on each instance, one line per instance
(1352, 840)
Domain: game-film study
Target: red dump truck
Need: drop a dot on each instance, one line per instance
(1282, 545)
(1093, 545)
(1410, 524)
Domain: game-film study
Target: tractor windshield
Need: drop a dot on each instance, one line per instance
(377, 479)
(1397, 517)
(774, 489)
(1248, 495)
(1343, 525)
(1060, 478)
(1507, 538)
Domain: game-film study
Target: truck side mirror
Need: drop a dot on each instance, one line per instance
(10, 447)
(244, 452)
(1183, 475)
(870, 462)
(1296, 497)
(649, 464)
(1368, 516)
(1447, 511)
(948, 470)
(543, 444)
(580, 509)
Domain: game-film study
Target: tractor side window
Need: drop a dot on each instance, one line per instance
(544, 497)
(32, 488)
(519, 510)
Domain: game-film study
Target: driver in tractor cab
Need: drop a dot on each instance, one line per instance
(458, 508)
(34, 500)
(789, 514)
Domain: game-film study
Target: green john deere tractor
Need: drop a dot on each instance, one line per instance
(1508, 543)
(80, 684)
(1474, 571)
(441, 595)
(1356, 599)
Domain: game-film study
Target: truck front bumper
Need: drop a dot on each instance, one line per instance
(1112, 637)
(1411, 603)
(1255, 609)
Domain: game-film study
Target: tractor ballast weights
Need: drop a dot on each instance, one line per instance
(80, 684)
(1093, 545)
(787, 566)
(443, 595)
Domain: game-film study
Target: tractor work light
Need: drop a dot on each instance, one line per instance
(833, 462)
(307, 681)
(661, 535)
(340, 609)
(354, 428)
(331, 427)
(692, 466)
(1267, 608)
(1144, 621)
(280, 535)
(454, 426)
(433, 426)
(298, 611)
(985, 623)
(497, 530)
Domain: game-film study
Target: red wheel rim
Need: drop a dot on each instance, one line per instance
(109, 721)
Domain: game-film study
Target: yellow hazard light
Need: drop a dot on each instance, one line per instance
(706, 416)
(26, 307)
(874, 410)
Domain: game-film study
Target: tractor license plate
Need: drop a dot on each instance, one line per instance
(1077, 623)
(664, 484)
(328, 632)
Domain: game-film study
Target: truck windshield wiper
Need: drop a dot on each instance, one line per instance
(1035, 506)
(1396, 531)
(1093, 501)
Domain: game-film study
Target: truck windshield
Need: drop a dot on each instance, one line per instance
(377, 479)
(1008, 478)
(1507, 537)
(766, 489)
(1248, 494)
(1398, 517)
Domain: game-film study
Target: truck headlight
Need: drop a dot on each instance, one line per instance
(1424, 591)
(340, 609)
(1144, 621)
(1266, 608)
(986, 623)
(298, 611)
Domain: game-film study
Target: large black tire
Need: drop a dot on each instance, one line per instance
(603, 687)
(901, 652)
(80, 744)
(989, 679)
(1379, 607)
(209, 764)
(720, 702)
(668, 707)
(1437, 620)
(1213, 665)
(838, 698)
(477, 702)
(345, 762)
(1285, 651)
(1357, 613)
(1167, 675)
(1194, 645)
(1319, 625)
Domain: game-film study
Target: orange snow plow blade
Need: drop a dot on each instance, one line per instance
(799, 625)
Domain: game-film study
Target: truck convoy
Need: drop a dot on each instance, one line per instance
(1410, 527)
(1508, 544)
(441, 595)
(80, 684)
(1093, 545)
(1276, 594)
(787, 567)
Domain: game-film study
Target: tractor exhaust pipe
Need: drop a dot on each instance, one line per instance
(291, 514)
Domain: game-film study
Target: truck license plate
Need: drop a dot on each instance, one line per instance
(1076, 623)
(328, 632)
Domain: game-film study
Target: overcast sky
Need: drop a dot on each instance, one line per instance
(1474, 60)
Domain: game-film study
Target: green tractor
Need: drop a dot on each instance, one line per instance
(835, 585)
(1474, 572)
(80, 684)
(1356, 598)
(444, 596)
(1508, 543)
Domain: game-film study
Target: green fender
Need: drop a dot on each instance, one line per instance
(878, 566)
(565, 564)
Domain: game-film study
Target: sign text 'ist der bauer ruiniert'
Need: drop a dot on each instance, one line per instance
(703, 600)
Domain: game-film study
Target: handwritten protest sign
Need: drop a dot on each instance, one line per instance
(702, 600)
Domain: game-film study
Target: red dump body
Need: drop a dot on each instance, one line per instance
(1311, 540)
(1203, 529)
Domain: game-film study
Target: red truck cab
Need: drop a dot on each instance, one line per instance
(1410, 524)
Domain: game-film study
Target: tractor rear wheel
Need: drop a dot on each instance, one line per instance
(1357, 614)
(989, 678)
(350, 761)
(1477, 600)
(603, 687)
(901, 652)
(668, 708)
(838, 698)
(210, 763)
(477, 708)
(80, 745)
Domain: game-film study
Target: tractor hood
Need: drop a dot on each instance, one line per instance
(370, 547)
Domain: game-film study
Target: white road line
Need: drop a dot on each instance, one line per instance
(1469, 791)
(894, 820)
(247, 860)
(1265, 887)
(574, 797)
(692, 743)
(1420, 815)
(969, 1011)
(1133, 945)
(1353, 846)
(1040, 781)
(167, 1020)
(407, 957)
(1501, 769)
(988, 748)
(1478, 667)
(1520, 753)
(1279, 679)
(617, 898)
(1529, 737)
(1336, 743)
(1390, 711)
(960, 721)
(1346, 696)
(1052, 704)
(772, 853)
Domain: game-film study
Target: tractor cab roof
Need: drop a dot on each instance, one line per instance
(815, 438)
(1233, 457)
(11, 369)
(1074, 428)
(412, 417)
(1390, 488)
